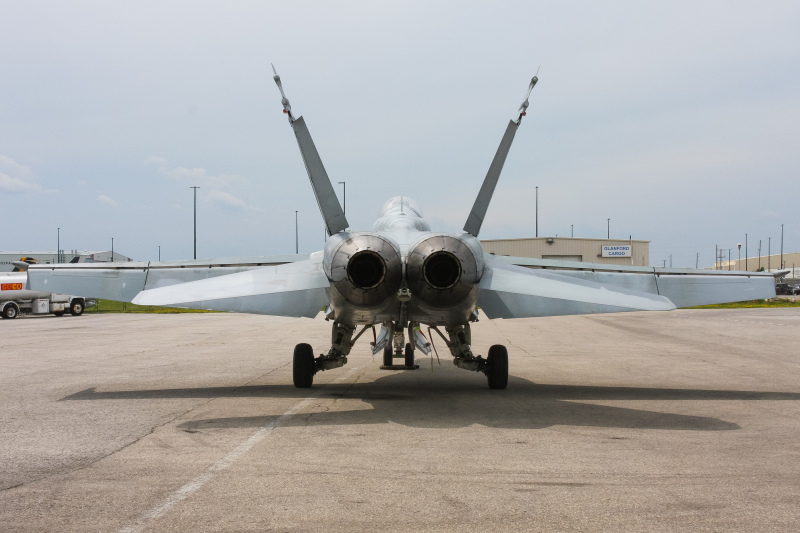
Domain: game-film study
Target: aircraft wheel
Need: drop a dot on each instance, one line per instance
(10, 311)
(388, 355)
(497, 362)
(303, 366)
(76, 308)
(409, 355)
(58, 313)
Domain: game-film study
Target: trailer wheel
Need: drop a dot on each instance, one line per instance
(10, 311)
(76, 308)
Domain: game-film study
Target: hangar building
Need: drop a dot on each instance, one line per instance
(609, 251)
(51, 257)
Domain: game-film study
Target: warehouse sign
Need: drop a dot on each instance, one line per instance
(623, 250)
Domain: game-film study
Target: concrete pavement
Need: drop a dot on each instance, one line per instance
(686, 420)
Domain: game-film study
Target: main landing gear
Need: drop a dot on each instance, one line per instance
(305, 365)
(495, 366)
(458, 340)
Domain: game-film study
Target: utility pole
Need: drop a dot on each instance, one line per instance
(112, 249)
(296, 235)
(58, 246)
(572, 230)
(344, 197)
(759, 254)
(739, 263)
(781, 245)
(195, 220)
(745, 252)
(729, 258)
(608, 229)
(159, 252)
(769, 254)
(716, 256)
(537, 211)
(697, 261)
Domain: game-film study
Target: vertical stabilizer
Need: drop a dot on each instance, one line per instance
(478, 213)
(328, 203)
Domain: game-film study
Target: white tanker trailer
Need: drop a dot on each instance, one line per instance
(16, 299)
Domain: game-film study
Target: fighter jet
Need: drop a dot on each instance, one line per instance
(400, 277)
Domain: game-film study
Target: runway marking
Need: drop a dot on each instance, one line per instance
(192, 486)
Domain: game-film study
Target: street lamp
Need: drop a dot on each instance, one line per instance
(745, 252)
(112, 249)
(58, 247)
(195, 220)
(572, 230)
(344, 196)
(537, 211)
(738, 264)
(608, 234)
(781, 245)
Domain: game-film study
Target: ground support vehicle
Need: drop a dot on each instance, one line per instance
(15, 299)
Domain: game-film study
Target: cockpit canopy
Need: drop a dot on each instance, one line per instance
(401, 212)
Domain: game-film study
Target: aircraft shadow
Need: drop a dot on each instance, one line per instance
(455, 399)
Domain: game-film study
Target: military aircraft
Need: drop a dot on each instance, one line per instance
(400, 276)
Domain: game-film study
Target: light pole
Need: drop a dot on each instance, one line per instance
(745, 252)
(608, 229)
(344, 196)
(195, 220)
(729, 258)
(739, 263)
(781, 245)
(112, 249)
(572, 230)
(537, 211)
(769, 254)
(58, 246)
(159, 252)
(296, 235)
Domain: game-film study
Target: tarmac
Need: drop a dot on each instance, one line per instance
(685, 420)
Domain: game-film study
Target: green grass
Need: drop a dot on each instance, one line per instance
(110, 306)
(751, 304)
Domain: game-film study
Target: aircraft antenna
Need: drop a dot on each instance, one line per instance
(287, 107)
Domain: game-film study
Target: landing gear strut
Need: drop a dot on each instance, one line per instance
(495, 366)
(398, 348)
(305, 365)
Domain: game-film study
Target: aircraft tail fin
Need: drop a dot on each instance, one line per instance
(329, 206)
(478, 213)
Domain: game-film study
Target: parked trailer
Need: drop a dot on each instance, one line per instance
(15, 299)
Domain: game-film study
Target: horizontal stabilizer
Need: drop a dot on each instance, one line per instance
(508, 291)
(296, 289)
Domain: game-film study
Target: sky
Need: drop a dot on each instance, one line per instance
(678, 121)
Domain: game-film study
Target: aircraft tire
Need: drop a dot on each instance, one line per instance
(58, 313)
(388, 355)
(76, 308)
(303, 366)
(497, 362)
(10, 311)
(409, 355)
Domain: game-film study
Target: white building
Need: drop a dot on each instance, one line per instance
(52, 257)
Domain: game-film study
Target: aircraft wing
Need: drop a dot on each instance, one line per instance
(518, 287)
(291, 285)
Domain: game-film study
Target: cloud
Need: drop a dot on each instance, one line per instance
(16, 178)
(192, 176)
(226, 200)
(103, 199)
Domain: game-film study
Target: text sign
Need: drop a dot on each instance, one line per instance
(622, 250)
(11, 287)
